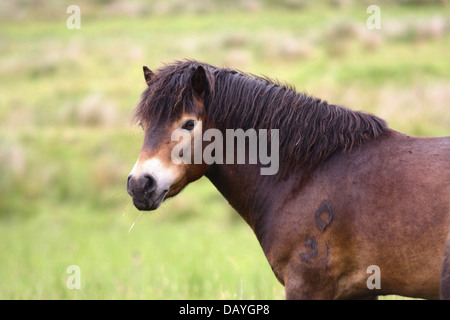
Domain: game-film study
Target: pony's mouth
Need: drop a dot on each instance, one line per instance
(149, 203)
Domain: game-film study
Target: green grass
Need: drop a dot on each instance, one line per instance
(71, 208)
(67, 144)
(189, 259)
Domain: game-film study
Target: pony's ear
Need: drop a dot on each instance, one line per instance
(199, 81)
(148, 74)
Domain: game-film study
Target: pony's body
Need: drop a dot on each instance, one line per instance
(359, 209)
(351, 193)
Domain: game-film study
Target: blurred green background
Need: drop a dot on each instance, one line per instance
(67, 142)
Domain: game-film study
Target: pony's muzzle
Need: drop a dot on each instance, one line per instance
(142, 189)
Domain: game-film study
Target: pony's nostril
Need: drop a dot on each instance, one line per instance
(149, 183)
(142, 185)
(128, 186)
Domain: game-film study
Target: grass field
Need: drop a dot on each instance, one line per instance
(67, 143)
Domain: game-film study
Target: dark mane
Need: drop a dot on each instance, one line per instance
(311, 130)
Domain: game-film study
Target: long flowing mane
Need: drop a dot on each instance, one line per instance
(310, 129)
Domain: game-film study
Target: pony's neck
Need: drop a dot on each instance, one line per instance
(239, 184)
(247, 191)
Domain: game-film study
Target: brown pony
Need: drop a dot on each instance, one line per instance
(356, 209)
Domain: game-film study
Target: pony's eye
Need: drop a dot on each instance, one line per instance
(189, 125)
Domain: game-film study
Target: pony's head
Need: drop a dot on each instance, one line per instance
(171, 106)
